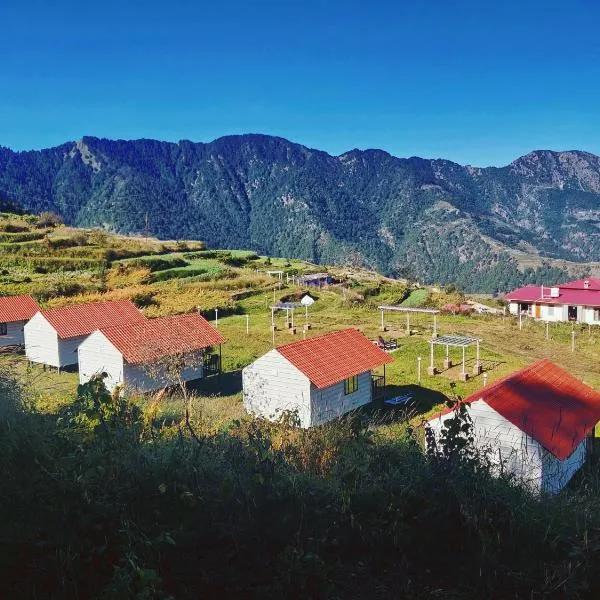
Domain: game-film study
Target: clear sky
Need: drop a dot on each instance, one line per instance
(476, 82)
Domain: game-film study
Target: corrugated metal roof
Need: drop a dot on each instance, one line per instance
(82, 319)
(333, 357)
(547, 403)
(17, 308)
(153, 339)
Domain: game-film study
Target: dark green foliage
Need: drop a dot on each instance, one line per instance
(100, 503)
(422, 219)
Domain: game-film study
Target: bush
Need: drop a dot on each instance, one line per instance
(49, 219)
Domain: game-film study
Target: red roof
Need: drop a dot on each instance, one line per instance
(82, 319)
(547, 403)
(574, 296)
(152, 339)
(579, 284)
(17, 308)
(333, 357)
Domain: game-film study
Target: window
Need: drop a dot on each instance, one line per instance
(351, 385)
(550, 311)
(3, 329)
(597, 314)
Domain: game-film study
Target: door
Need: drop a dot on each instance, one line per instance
(572, 313)
(538, 311)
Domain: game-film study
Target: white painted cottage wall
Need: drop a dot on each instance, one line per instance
(508, 449)
(588, 316)
(513, 308)
(552, 313)
(14, 334)
(67, 350)
(331, 402)
(154, 376)
(272, 385)
(557, 473)
(97, 355)
(41, 341)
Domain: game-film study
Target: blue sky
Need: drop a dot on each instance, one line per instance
(476, 82)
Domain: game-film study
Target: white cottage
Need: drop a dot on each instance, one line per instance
(52, 336)
(151, 354)
(320, 378)
(15, 311)
(533, 424)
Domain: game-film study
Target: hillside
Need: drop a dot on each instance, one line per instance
(114, 498)
(430, 220)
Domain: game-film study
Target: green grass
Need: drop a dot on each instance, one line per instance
(416, 298)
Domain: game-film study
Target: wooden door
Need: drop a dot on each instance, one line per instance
(538, 311)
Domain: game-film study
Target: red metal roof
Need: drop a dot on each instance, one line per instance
(547, 403)
(333, 357)
(153, 339)
(573, 296)
(579, 284)
(17, 308)
(82, 319)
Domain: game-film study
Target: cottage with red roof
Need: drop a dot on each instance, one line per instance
(52, 336)
(533, 424)
(151, 354)
(15, 311)
(320, 378)
(577, 301)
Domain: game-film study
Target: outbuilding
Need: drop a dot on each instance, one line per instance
(533, 424)
(52, 336)
(319, 379)
(307, 300)
(15, 311)
(151, 354)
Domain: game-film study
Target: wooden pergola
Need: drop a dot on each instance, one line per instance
(459, 341)
(289, 308)
(410, 310)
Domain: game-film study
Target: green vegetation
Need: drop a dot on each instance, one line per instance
(116, 498)
(435, 222)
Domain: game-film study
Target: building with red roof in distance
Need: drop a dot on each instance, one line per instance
(319, 378)
(15, 311)
(533, 424)
(52, 336)
(577, 301)
(151, 354)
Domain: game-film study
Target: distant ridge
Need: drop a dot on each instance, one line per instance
(429, 219)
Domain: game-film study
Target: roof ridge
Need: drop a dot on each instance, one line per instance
(318, 337)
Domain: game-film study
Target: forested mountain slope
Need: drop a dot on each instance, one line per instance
(433, 220)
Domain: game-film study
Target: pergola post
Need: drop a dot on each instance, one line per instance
(431, 369)
(463, 374)
(477, 368)
(435, 333)
(447, 361)
(407, 323)
(382, 323)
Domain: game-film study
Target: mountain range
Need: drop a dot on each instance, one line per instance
(431, 220)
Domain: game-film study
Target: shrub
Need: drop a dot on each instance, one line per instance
(49, 219)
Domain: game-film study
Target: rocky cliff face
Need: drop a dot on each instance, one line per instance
(430, 219)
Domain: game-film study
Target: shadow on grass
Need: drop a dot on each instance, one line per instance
(225, 384)
(423, 400)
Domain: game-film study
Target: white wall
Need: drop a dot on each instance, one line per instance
(272, 385)
(556, 473)
(588, 316)
(508, 449)
(41, 341)
(513, 308)
(67, 350)
(553, 313)
(14, 334)
(331, 402)
(154, 376)
(97, 355)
